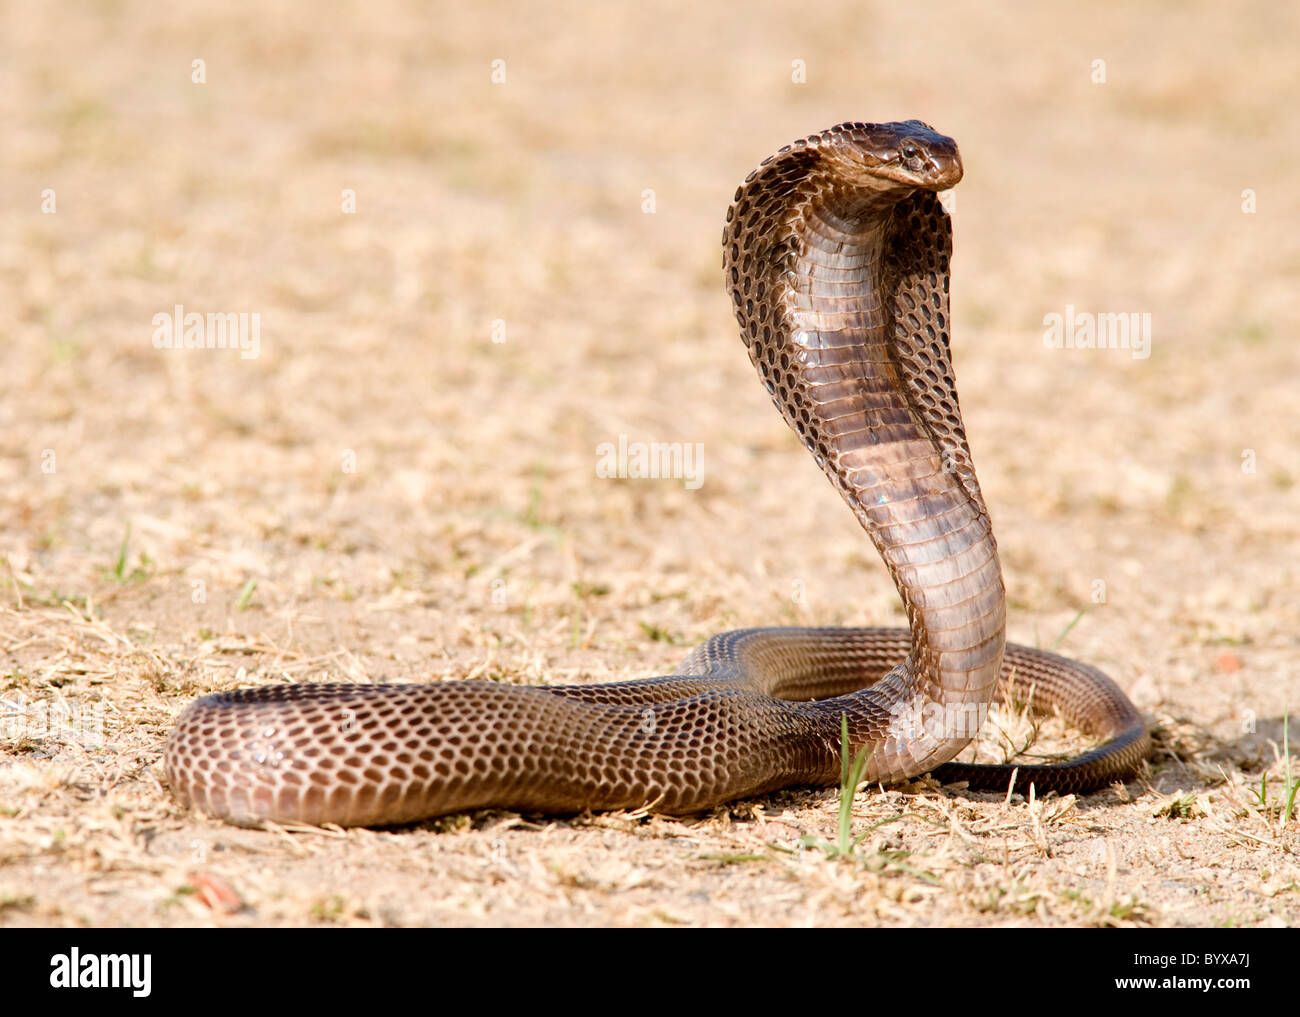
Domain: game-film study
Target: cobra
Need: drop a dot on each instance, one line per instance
(836, 254)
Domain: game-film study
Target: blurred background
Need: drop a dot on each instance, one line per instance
(484, 239)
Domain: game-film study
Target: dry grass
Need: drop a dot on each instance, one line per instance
(472, 536)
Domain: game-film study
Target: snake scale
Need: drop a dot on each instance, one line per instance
(836, 254)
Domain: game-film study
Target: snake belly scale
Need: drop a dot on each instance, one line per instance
(836, 254)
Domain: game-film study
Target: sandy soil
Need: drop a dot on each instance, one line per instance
(386, 493)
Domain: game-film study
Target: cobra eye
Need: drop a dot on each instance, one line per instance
(910, 151)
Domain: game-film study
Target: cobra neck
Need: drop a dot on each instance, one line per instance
(879, 389)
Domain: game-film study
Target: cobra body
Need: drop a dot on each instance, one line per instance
(836, 255)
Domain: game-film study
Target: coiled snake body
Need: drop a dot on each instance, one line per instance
(836, 255)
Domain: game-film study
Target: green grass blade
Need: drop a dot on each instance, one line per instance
(1061, 638)
(850, 778)
(119, 570)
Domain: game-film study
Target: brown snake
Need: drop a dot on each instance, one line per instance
(836, 254)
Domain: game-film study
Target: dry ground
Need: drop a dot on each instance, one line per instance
(345, 505)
